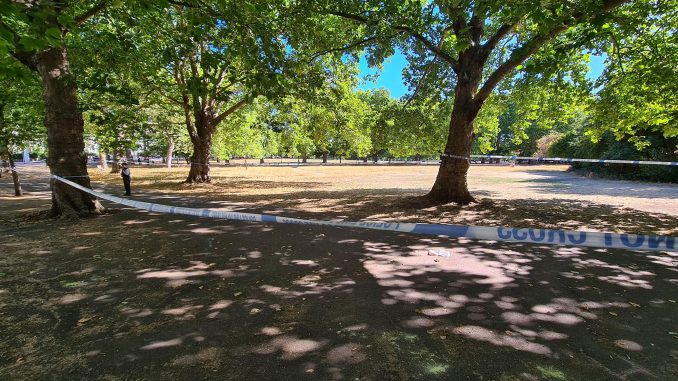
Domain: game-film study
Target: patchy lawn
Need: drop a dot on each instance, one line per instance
(137, 295)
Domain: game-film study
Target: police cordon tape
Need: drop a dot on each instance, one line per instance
(571, 160)
(534, 236)
(559, 159)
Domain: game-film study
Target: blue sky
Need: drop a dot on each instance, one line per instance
(391, 75)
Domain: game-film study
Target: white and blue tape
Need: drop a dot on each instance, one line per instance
(571, 160)
(523, 235)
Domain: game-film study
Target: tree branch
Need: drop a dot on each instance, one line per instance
(98, 7)
(405, 29)
(344, 48)
(498, 36)
(185, 101)
(429, 45)
(530, 47)
(443, 34)
(229, 111)
(350, 16)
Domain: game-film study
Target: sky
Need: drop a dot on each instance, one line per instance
(391, 78)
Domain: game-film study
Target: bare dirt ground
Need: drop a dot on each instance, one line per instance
(132, 295)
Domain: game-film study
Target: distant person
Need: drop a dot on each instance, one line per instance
(126, 179)
(513, 160)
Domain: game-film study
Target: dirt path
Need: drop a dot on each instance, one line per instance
(136, 295)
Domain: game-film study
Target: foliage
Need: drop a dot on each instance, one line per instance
(639, 85)
(21, 109)
(246, 134)
(577, 145)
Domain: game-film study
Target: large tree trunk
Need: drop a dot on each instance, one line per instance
(170, 152)
(66, 146)
(450, 184)
(200, 160)
(324, 157)
(115, 166)
(15, 176)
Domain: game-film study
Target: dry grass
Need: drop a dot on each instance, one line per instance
(534, 196)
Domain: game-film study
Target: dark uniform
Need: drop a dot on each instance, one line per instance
(126, 179)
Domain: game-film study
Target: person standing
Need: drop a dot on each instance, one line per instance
(126, 179)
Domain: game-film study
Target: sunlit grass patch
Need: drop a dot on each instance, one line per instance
(551, 373)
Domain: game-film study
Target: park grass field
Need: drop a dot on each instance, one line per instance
(544, 196)
(133, 295)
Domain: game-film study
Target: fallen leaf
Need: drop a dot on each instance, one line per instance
(237, 294)
(84, 320)
(634, 304)
(613, 313)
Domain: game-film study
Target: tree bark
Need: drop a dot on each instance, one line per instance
(304, 159)
(170, 152)
(324, 157)
(115, 166)
(15, 175)
(200, 160)
(66, 146)
(451, 185)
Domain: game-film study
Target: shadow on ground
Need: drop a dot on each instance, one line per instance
(137, 295)
(140, 295)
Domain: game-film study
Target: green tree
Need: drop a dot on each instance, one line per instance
(21, 114)
(247, 134)
(33, 33)
(221, 56)
(639, 86)
(467, 48)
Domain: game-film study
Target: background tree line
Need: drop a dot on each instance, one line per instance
(224, 79)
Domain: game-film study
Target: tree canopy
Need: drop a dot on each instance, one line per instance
(249, 78)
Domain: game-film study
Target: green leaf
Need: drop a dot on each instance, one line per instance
(65, 20)
(30, 43)
(53, 34)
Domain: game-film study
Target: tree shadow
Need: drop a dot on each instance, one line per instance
(137, 294)
(143, 295)
(406, 205)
